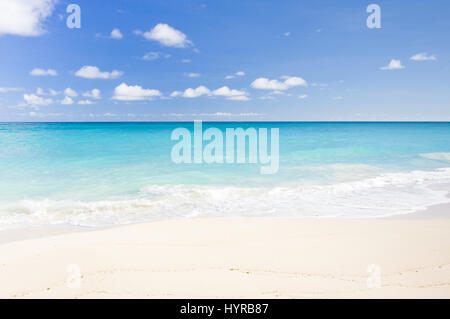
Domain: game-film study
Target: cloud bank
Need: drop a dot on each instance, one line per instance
(24, 17)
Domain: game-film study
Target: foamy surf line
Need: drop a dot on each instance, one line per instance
(381, 196)
(442, 156)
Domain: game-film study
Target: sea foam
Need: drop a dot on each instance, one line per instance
(437, 156)
(384, 195)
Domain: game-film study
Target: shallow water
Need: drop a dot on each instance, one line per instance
(94, 174)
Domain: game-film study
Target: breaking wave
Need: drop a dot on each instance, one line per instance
(384, 195)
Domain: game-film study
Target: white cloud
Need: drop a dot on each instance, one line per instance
(251, 114)
(150, 56)
(186, 61)
(219, 114)
(167, 36)
(192, 75)
(289, 81)
(294, 81)
(238, 98)
(42, 72)
(6, 90)
(191, 93)
(67, 100)
(116, 34)
(319, 84)
(24, 17)
(423, 57)
(266, 84)
(175, 114)
(338, 97)
(393, 65)
(93, 72)
(224, 91)
(43, 115)
(286, 34)
(230, 94)
(35, 101)
(303, 96)
(239, 73)
(277, 92)
(40, 91)
(71, 93)
(94, 93)
(176, 93)
(124, 92)
(84, 102)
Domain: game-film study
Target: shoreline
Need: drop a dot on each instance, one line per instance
(441, 210)
(235, 258)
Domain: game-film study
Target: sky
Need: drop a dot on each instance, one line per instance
(248, 60)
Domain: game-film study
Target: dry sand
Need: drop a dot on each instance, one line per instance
(235, 258)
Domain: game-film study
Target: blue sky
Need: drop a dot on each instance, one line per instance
(224, 60)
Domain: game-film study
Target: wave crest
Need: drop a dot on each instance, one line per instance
(387, 194)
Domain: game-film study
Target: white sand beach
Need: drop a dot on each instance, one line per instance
(235, 258)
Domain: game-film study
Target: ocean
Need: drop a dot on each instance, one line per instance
(99, 174)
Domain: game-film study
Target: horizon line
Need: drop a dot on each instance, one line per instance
(215, 121)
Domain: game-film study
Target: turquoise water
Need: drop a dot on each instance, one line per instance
(106, 173)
